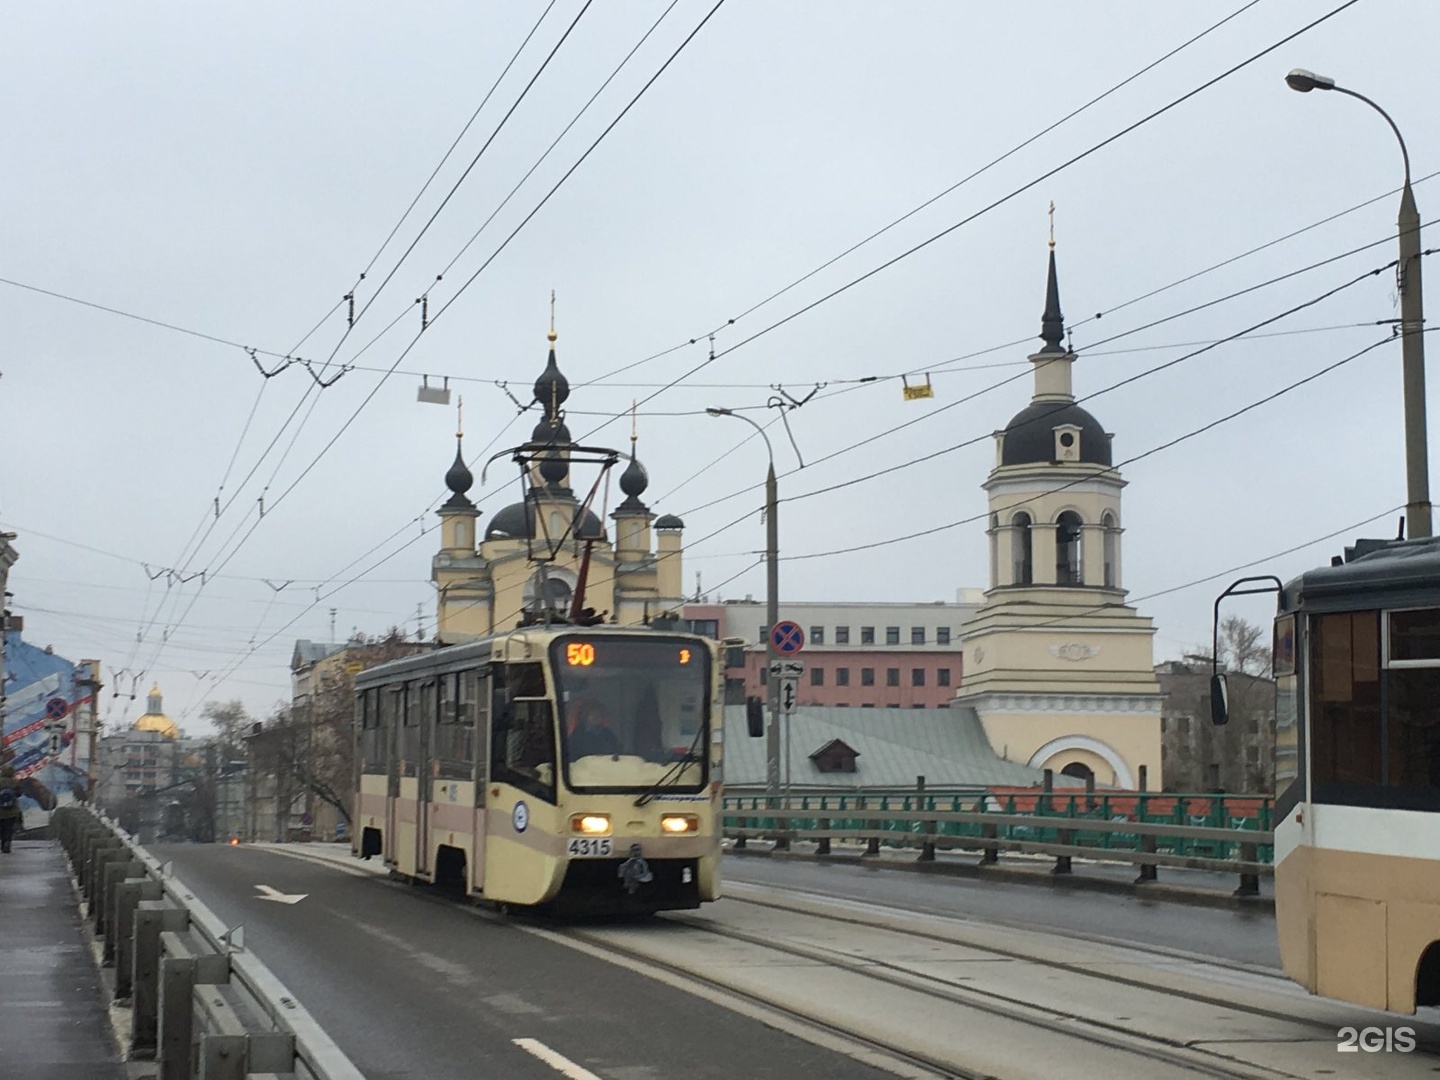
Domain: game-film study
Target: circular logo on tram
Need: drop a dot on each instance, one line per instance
(520, 817)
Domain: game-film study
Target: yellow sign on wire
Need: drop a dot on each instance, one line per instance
(915, 393)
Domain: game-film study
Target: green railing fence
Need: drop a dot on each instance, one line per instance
(850, 812)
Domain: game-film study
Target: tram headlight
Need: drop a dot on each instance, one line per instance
(679, 823)
(590, 824)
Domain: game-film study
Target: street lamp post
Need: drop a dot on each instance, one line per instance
(772, 613)
(1412, 321)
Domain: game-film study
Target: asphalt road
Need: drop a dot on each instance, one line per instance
(1244, 935)
(413, 984)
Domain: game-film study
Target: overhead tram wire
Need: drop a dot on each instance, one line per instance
(812, 305)
(352, 322)
(1022, 374)
(226, 559)
(369, 266)
(459, 292)
(943, 366)
(1082, 479)
(936, 198)
(473, 162)
(446, 157)
(556, 142)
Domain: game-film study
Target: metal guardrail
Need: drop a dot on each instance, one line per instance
(1236, 845)
(201, 1006)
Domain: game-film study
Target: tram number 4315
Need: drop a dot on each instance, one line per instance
(583, 847)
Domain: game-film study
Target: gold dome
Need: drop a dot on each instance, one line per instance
(155, 718)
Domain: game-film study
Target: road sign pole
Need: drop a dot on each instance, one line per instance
(772, 616)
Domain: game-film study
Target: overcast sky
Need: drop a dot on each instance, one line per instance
(232, 171)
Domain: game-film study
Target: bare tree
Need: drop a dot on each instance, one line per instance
(310, 745)
(231, 723)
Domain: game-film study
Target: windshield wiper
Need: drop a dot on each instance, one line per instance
(692, 756)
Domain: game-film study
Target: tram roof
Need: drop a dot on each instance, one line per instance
(1373, 573)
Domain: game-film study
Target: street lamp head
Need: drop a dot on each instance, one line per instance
(719, 412)
(1305, 81)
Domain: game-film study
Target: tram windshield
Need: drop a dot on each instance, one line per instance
(634, 712)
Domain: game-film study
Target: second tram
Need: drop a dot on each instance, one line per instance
(1357, 762)
(572, 768)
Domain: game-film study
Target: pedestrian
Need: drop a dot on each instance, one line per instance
(10, 812)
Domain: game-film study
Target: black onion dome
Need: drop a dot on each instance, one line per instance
(516, 522)
(552, 388)
(669, 521)
(553, 468)
(551, 434)
(1030, 436)
(459, 480)
(634, 480)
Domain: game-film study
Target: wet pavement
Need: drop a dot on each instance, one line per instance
(53, 1024)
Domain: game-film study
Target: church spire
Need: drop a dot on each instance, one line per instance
(1052, 323)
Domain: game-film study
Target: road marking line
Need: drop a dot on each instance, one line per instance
(557, 1061)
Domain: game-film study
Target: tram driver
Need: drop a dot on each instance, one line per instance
(590, 732)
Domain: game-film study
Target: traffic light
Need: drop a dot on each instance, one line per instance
(755, 717)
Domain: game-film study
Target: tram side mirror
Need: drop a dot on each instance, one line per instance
(755, 717)
(1219, 700)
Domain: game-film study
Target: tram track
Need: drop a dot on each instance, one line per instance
(1068, 1026)
(975, 942)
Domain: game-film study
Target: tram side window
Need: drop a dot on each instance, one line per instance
(1413, 700)
(522, 749)
(372, 734)
(454, 734)
(1345, 692)
(1414, 727)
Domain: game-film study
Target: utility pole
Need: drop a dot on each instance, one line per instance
(91, 682)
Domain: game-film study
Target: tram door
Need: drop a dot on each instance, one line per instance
(424, 771)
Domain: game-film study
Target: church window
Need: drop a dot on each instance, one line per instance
(1022, 572)
(1112, 551)
(1069, 565)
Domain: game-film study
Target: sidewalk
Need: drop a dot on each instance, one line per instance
(53, 1024)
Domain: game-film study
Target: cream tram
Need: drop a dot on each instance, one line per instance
(571, 768)
(1357, 761)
